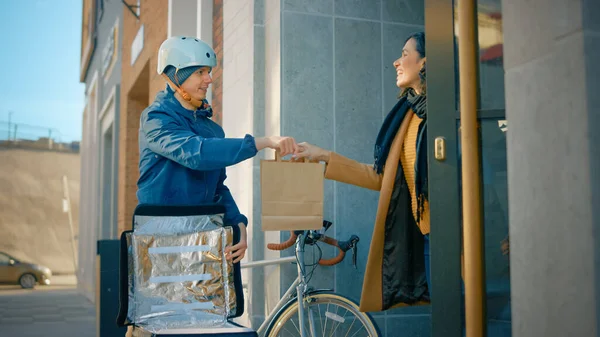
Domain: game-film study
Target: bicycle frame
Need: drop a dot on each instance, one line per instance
(299, 285)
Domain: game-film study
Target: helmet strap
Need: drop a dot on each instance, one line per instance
(186, 97)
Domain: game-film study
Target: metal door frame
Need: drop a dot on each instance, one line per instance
(446, 281)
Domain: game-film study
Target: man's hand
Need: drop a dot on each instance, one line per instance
(238, 251)
(285, 145)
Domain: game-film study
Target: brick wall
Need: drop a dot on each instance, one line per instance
(217, 98)
(139, 85)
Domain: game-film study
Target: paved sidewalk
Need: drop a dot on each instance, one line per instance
(46, 313)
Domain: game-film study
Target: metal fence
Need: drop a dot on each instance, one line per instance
(34, 136)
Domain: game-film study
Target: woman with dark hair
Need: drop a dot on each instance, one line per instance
(397, 270)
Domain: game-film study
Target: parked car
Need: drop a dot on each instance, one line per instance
(25, 274)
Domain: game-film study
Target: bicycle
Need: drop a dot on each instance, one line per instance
(304, 303)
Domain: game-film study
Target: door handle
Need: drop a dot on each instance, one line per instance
(440, 149)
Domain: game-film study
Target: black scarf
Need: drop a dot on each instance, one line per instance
(391, 125)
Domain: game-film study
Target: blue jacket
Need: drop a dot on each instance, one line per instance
(183, 156)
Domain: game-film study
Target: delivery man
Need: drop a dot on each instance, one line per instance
(183, 153)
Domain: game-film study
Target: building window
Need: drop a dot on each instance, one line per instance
(99, 10)
(109, 53)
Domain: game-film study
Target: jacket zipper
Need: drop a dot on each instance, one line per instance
(205, 186)
(204, 172)
(205, 179)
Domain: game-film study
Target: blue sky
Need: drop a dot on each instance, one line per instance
(40, 54)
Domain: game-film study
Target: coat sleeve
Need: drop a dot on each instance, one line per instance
(349, 171)
(232, 213)
(169, 139)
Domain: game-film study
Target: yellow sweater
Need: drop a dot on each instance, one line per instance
(408, 158)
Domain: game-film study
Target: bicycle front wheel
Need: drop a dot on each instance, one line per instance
(326, 315)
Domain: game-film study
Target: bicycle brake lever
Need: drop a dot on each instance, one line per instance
(354, 253)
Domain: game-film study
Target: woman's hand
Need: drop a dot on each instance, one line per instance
(312, 152)
(237, 252)
(285, 145)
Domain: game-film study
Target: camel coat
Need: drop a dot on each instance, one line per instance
(348, 171)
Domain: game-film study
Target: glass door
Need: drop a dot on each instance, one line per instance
(445, 173)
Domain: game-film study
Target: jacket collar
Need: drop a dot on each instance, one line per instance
(204, 111)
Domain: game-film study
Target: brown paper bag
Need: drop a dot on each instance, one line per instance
(291, 194)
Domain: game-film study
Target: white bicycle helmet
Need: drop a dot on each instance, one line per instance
(182, 52)
(185, 51)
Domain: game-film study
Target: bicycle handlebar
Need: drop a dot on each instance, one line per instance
(342, 246)
(333, 261)
(284, 245)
